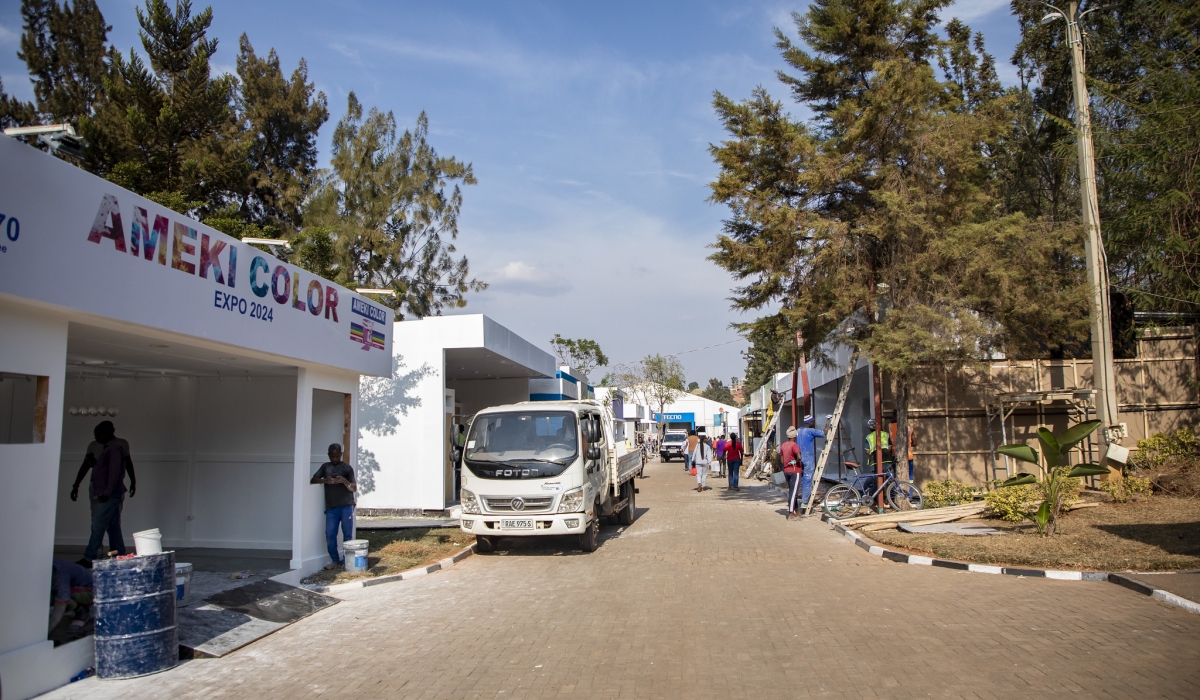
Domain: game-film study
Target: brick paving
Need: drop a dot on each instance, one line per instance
(708, 595)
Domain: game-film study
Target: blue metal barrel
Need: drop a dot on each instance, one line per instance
(135, 615)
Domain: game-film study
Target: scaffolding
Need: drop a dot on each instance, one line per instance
(1080, 403)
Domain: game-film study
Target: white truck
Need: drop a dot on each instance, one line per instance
(541, 468)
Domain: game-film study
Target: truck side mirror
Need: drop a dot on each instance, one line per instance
(593, 453)
(456, 455)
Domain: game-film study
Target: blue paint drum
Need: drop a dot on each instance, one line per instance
(135, 615)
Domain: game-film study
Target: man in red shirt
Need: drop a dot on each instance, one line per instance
(733, 456)
(793, 469)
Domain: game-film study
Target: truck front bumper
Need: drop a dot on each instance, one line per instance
(542, 524)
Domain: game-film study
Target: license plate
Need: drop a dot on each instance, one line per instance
(516, 524)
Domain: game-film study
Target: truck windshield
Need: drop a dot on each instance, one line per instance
(675, 438)
(522, 444)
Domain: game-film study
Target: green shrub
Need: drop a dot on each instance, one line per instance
(1013, 503)
(1155, 451)
(1016, 503)
(947, 493)
(1127, 488)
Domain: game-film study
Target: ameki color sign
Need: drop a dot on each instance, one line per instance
(85, 244)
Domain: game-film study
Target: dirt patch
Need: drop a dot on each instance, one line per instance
(1155, 534)
(394, 551)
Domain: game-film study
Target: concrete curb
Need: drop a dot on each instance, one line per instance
(900, 557)
(1121, 580)
(402, 576)
(1156, 593)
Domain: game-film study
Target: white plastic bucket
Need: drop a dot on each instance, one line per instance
(183, 583)
(148, 542)
(355, 553)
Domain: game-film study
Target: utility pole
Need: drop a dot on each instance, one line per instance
(1097, 264)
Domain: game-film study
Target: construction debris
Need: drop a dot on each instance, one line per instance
(928, 516)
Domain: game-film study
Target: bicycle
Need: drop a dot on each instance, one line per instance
(845, 500)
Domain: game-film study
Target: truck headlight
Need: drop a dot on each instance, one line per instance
(571, 501)
(470, 504)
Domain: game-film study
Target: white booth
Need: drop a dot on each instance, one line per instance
(447, 369)
(227, 370)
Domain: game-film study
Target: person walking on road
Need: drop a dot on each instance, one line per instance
(702, 458)
(340, 486)
(108, 458)
(721, 446)
(733, 460)
(793, 469)
(688, 449)
(806, 438)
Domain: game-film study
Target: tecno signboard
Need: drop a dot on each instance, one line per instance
(74, 240)
(675, 418)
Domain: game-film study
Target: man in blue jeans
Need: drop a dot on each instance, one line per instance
(806, 438)
(108, 488)
(338, 478)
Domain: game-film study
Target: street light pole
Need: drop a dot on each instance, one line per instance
(1102, 350)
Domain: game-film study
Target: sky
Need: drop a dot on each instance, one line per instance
(587, 125)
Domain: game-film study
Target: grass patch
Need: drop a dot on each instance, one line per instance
(394, 551)
(1160, 533)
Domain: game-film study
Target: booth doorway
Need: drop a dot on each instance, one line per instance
(212, 439)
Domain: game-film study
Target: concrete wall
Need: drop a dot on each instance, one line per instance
(409, 459)
(213, 459)
(33, 342)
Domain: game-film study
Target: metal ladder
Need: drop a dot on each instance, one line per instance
(836, 427)
(760, 454)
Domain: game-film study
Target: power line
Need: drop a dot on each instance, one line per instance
(706, 347)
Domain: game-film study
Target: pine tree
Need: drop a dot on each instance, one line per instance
(891, 183)
(385, 219)
(167, 129)
(14, 112)
(64, 48)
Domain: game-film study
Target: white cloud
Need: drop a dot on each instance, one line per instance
(519, 277)
(8, 36)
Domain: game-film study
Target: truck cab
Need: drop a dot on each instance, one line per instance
(542, 468)
(672, 445)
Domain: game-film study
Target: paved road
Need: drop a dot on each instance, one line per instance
(708, 595)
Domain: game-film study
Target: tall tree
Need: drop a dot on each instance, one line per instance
(167, 129)
(14, 112)
(717, 391)
(1142, 61)
(65, 47)
(891, 183)
(280, 118)
(656, 380)
(583, 354)
(387, 217)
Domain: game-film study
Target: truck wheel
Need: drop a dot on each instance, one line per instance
(589, 541)
(625, 517)
(485, 545)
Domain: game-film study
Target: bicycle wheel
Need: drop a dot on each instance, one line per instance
(905, 496)
(842, 501)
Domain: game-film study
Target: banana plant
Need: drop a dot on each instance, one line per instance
(1056, 475)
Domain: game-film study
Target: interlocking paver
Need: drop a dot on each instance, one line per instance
(708, 595)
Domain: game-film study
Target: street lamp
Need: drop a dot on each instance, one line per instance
(59, 138)
(1102, 353)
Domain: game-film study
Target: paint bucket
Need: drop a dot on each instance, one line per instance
(148, 542)
(355, 553)
(135, 615)
(183, 584)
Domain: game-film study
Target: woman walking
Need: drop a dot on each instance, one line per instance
(733, 457)
(701, 459)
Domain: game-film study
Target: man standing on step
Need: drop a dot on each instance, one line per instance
(338, 478)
